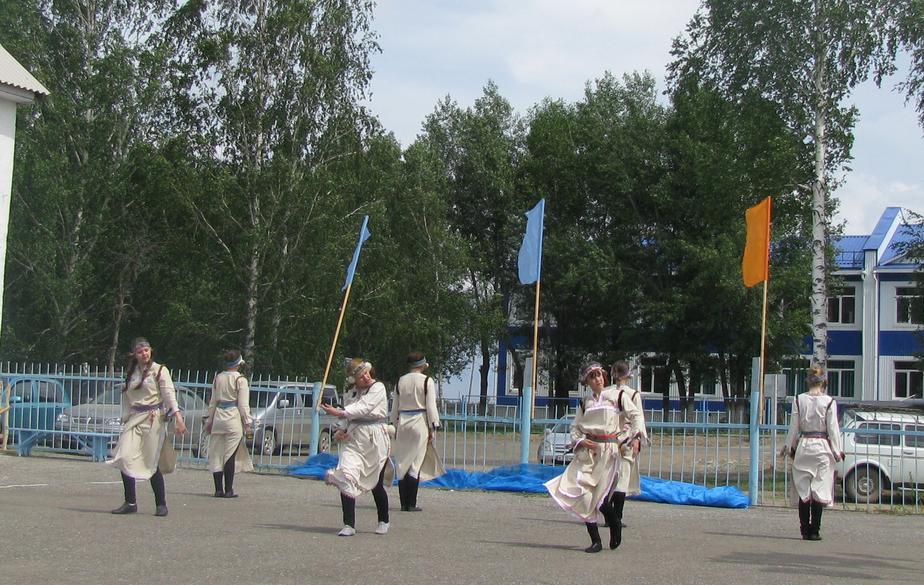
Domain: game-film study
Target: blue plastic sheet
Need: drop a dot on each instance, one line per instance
(531, 479)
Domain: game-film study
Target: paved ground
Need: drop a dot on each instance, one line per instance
(57, 529)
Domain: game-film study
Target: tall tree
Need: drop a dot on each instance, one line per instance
(274, 89)
(806, 57)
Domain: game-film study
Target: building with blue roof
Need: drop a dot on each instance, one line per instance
(874, 337)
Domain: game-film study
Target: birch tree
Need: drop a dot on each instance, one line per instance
(806, 57)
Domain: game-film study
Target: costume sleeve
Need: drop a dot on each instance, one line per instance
(126, 407)
(167, 391)
(213, 399)
(394, 402)
(834, 431)
(637, 400)
(243, 399)
(577, 429)
(634, 417)
(433, 413)
(368, 403)
(793, 436)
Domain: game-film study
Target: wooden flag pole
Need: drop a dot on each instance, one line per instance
(763, 320)
(333, 346)
(535, 373)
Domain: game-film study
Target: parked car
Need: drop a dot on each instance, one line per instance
(282, 418)
(103, 414)
(34, 403)
(874, 461)
(555, 448)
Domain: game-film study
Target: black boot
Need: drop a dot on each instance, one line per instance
(804, 519)
(402, 493)
(217, 477)
(126, 508)
(815, 526)
(618, 503)
(228, 472)
(413, 485)
(594, 532)
(128, 488)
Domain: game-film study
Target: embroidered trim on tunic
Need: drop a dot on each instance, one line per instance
(226, 404)
(147, 407)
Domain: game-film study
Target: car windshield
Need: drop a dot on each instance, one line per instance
(111, 396)
(562, 426)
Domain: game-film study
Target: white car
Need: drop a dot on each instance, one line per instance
(880, 453)
(555, 448)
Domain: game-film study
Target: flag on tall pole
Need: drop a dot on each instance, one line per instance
(529, 262)
(347, 286)
(363, 236)
(529, 267)
(755, 265)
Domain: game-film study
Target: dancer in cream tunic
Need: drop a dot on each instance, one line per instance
(584, 489)
(416, 420)
(143, 450)
(629, 482)
(814, 443)
(364, 455)
(229, 418)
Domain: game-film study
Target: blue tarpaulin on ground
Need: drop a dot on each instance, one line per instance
(530, 479)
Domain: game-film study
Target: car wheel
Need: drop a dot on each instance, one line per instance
(324, 442)
(864, 485)
(268, 445)
(202, 451)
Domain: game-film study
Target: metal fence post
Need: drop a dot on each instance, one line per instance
(525, 423)
(315, 419)
(754, 431)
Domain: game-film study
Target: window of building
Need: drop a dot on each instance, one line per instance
(841, 378)
(909, 380)
(908, 308)
(795, 372)
(842, 305)
(653, 375)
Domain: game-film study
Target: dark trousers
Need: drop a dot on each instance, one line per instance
(157, 484)
(227, 475)
(348, 504)
(407, 491)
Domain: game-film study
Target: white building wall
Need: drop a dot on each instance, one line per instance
(7, 140)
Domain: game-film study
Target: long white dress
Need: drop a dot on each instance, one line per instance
(366, 449)
(815, 435)
(415, 414)
(629, 479)
(229, 411)
(147, 403)
(591, 476)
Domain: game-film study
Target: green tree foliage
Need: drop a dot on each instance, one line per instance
(806, 57)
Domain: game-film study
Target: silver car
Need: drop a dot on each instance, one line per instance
(555, 448)
(103, 414)
(282, 419)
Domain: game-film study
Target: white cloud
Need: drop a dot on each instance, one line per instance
(864, 197)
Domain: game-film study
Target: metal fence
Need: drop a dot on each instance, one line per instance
(73, 410)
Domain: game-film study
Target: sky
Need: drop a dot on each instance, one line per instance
(534, 49)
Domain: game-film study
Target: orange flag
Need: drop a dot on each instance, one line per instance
(755, 266)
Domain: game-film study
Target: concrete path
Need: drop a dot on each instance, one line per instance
(57, 530)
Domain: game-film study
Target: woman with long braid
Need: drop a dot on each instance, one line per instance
(143, 451)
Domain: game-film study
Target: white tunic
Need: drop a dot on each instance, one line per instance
(229, 411)
(415, 415)
(365, 451)
(629, 479)
(147, 402)
(815, 435)
(591, 476)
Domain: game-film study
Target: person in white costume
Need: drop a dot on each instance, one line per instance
(364, 462)
(228, 419)
(585, 488)
(814, 443)
(144, 450)
(416, 421)
(629, 483)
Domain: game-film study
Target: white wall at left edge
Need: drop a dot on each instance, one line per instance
(7, 140)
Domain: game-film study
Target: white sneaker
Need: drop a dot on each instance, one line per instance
(383, 528)
(347, 530)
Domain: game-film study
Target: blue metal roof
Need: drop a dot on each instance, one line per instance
(849, 252)
(882, 228)
(903, 235)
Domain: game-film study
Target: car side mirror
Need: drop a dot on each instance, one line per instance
(283, 403)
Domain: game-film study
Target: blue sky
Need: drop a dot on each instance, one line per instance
(550, 48)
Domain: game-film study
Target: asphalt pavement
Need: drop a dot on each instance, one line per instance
(57, 529)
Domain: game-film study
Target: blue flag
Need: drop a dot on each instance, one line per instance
(529, 263)
(363, 236)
